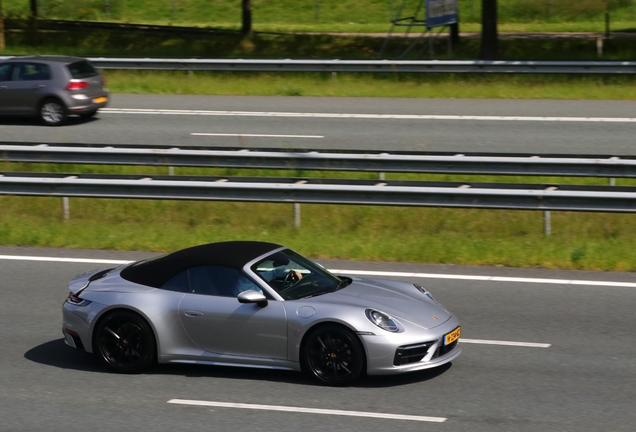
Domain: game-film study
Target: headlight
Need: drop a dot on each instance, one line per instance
(424, 291)
(382, 320)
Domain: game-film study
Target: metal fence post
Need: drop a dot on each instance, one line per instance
(547, 223)
(297, 215)
(66, 210)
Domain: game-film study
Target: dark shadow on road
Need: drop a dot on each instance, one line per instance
(31, 121)
(56, 354)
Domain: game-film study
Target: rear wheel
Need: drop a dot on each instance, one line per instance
(125, 342)
(53, 112)
(333, 355)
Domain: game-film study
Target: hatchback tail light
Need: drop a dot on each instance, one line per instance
(76, 85)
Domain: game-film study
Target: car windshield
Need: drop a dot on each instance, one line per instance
(294, 276)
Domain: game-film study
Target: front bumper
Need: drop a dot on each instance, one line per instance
(381, 350)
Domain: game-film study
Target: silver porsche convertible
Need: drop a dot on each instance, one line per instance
(260, 305)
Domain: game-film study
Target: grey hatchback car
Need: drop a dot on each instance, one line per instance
(51, 88)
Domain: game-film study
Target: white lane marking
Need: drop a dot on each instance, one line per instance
(505, 343)
(365, 116)
(366, 273)
(309, 410)
(485, 278)
(255, 135)
(66, 260)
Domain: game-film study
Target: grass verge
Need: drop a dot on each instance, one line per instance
(587, 241)
(375, 85)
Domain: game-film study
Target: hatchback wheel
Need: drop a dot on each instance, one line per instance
(334, 356)
(125, 342)
(53, 112)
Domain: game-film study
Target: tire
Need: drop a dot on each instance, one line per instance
(333, 355)
(53, 112)
(124, 342)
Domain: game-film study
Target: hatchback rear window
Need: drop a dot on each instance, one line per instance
(82, 69)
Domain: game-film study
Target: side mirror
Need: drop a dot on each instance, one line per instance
(251, 296)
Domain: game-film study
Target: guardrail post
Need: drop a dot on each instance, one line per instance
(297, 215)
(547, 223)
(66, 210)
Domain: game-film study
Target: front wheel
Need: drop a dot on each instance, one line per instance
(125, 342)
(53, 112)
(333, 355)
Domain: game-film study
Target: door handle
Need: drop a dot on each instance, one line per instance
(3, 87)
(192, 313)
(39, 86)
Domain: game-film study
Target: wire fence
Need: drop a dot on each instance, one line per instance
(288, 12)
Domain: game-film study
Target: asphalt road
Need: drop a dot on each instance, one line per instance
(585, 381)
(555, 126)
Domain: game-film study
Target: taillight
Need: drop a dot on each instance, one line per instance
(103, 80)
(76, 85)
(76, 300)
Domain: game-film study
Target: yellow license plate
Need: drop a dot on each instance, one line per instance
(451, 337)
(100, 99)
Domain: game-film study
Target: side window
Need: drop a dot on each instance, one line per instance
(211, 280)
(5, 71)
(31, 72)
(229, 282)
(179, 283)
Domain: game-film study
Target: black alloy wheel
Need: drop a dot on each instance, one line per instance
(125, 342)
(334, 356)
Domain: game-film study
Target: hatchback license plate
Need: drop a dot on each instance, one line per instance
(100, 99)
(451, 337)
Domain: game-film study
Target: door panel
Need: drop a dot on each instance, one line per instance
(29, 82)
(6, 71)
(223, 325)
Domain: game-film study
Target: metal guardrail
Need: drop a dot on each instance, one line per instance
(365, 66)
(422, 162)
(411, 66)
(314, 191)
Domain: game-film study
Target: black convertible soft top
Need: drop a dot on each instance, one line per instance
(155, 272)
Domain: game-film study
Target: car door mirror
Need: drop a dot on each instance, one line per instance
(251, 296)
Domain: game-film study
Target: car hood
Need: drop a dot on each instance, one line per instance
(399, 299)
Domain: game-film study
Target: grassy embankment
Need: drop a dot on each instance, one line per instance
(579, 240)
(356, 16)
